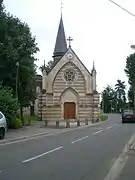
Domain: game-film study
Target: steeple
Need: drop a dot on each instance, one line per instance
(93, 69)
(93, 73)
(61, 44)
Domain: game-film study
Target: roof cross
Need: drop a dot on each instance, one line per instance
(61, 6)
(70, 40)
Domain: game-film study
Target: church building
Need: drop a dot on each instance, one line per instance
(69, 90)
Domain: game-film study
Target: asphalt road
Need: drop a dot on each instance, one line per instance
(81, 154)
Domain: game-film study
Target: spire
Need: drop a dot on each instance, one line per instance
(44, 70)
(93, 65)
(61, 44)
(93, 69)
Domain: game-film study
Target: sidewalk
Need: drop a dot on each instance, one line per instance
(35, 129)
(128, 172)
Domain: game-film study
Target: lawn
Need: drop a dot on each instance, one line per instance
(30, 118)
(103, 117)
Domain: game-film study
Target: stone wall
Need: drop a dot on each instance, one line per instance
(60, 84)
(87, 104)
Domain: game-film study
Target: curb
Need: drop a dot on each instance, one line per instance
(121, 161)
(3, 142)
(22, 137)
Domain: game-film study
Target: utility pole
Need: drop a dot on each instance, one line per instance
(17, 78)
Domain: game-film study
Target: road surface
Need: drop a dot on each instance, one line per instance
(81, 154)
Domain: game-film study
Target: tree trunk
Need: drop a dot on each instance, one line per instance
(21, 114)
(32, 110)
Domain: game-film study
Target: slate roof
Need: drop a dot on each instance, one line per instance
(61, 44)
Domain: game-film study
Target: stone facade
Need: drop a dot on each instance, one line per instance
(69, 92)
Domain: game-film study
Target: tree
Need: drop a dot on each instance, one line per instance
(130, 72)
(1, 5)
(130, 69)
(17, 45)
(121, 94)
(49, 66)
(131, 97)
(108, 99)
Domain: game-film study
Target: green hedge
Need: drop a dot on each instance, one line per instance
(103, 117)
(8, 105)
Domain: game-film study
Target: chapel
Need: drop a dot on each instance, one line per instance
(69, 89)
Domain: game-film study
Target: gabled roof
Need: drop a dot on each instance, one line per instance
(81, 62)
(71, 61)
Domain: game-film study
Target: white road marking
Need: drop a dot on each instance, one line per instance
(0, 171)
(79, 139)
(112, 126)
(109, 127)
(40, 155)
(97, 132)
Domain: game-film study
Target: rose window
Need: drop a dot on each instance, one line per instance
(69, 75)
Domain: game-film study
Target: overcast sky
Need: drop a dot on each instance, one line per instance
(101, 31)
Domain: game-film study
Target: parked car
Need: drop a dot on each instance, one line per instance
(3, 125)
(128, 116)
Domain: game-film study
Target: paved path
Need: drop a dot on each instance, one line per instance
(81, 154)
(128, 171)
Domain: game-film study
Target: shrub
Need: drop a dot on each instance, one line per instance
(17, 123)
(103, 117)
(8, 104)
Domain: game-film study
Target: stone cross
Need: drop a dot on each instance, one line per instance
(70, 40)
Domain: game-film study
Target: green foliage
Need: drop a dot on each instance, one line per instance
(49, 66)
(114, 99)
(130, 72)
(1, 5)
(103, 117)
(8, 104)
(130, 69)
(108, 99)
(17, 46)
(120, 94)
(17, 123)
(131, 97)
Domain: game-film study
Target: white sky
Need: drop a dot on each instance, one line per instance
(101, 31)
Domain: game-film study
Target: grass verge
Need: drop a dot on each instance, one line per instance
(31, 118)
(103, 117)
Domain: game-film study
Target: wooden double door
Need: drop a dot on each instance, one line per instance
(69, 110)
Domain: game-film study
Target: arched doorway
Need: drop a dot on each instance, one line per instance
(69, 110)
